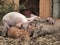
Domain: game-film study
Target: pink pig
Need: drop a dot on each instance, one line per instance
(13, 19)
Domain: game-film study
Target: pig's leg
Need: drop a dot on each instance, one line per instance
(5, 29)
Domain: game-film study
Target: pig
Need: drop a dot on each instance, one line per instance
(16, 33)
(45, 29)
(13, 19)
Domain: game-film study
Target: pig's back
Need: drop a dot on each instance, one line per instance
(14, 17)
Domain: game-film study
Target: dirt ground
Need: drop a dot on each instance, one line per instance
(43, 40)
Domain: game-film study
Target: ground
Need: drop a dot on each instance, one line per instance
(46, 40)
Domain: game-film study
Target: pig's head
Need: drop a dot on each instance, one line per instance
(33, 18)
(50, 20)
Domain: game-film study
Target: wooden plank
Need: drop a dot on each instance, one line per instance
(45, 8)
